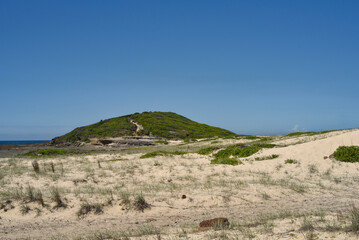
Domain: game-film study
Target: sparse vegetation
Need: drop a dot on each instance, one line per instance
(56, 197)
(307, 224)
(118, 159)
(291, 161)
(273, 156)
(313, 169)
(226, 160)
(296, 134)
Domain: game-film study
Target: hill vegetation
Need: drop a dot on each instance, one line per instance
(160, 124)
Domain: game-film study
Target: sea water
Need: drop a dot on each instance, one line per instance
(22, 142)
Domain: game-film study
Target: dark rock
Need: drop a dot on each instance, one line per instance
(183, 196)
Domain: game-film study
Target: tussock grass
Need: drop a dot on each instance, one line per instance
(273, 156)
(25, 209)
(57, 198)
(354, 219)
(307, 224)
(268, 181)
(35, 166)
(140, 203)
(87, 207)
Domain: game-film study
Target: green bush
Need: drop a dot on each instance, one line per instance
(265, 145)
(347, 154)
(295, 134)
(230, 154)
(161, 142)
(250, 137)
(206, 151)
(45, 152)
(266, 139)
(238, 150)
(226, 160)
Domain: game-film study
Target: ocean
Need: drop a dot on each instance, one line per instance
(19, 142)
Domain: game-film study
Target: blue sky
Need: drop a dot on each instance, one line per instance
(253, 67)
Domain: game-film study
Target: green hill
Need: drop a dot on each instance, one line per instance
(161, 124)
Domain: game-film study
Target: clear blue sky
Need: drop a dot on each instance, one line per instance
(248, 66)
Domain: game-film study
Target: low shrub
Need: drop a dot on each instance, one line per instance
(206, 151)
(161, 153)
(226, 160)
(347, 154)
(250, 137)
(265, 145)
(264, 139)
(45, 152)
(161, 142)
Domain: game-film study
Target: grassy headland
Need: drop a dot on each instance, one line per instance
(160, 124)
